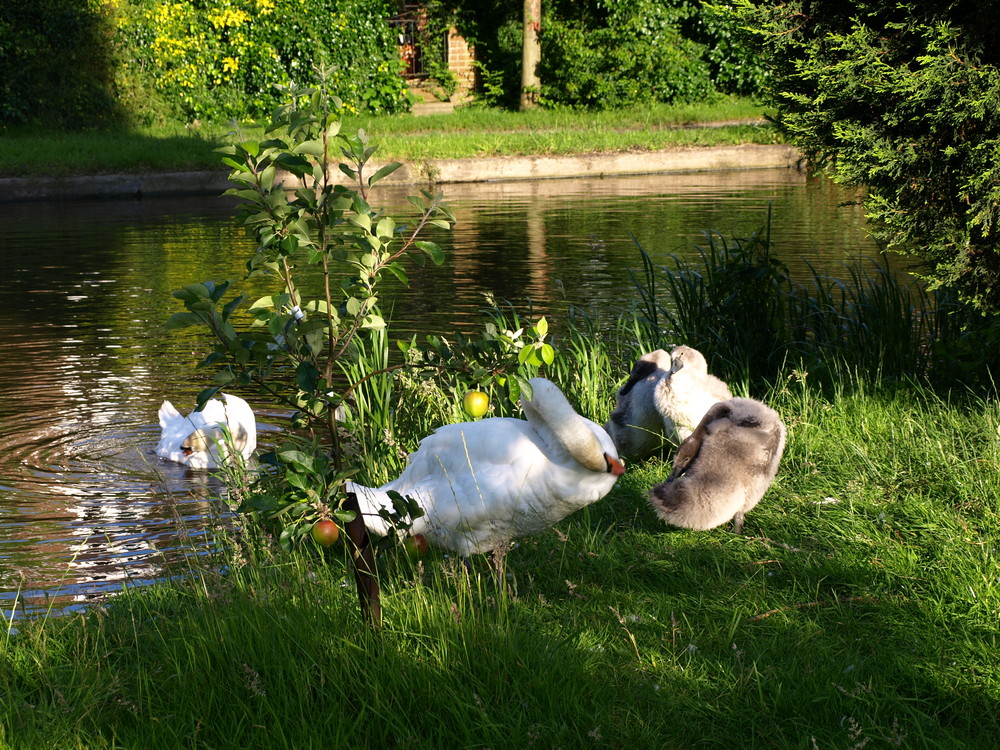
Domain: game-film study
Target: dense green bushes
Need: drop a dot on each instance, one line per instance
(91, 63)
(73, 63)
(216, 59)
(609, 53)
(900, 98)
(55, 63)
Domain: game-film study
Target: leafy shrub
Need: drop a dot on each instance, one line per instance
(54, 55)
(633, 59)
(608, 53)
(218, 59)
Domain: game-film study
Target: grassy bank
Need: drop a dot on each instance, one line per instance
(858, 609)
(466, 132)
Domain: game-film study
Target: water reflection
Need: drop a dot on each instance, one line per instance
(85, 505)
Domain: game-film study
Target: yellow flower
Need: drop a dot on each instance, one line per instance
(230, 64)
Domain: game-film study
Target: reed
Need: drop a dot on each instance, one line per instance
(739, 305)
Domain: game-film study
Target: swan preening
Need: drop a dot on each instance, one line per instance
(483, 483)
(199, 440)
(664, 398)
(723, 468)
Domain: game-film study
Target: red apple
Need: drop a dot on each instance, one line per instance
(476, 404)
(325, 532)
(415, 545)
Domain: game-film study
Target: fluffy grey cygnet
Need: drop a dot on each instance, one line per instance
(724, 468)
(636, 426)
(683, 398)
(664, 398)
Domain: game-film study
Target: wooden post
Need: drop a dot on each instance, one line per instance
(531, 54)
(365, 575)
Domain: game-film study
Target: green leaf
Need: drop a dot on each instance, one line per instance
(386, 227)
(307, 376)
(182, 320)
(385, 171)
(548, 354)
(361, 220)
(297, 458)
(259, 503)
(314, 148)
(192, 293)
(432, 250)
(205, 395)
(397, 270)
(542, 327)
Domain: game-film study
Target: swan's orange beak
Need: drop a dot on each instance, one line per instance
(615, 466)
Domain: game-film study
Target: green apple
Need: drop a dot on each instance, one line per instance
(476, 404)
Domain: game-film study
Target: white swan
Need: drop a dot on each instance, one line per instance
(636, 425)
(684, 397)
(195, 440)
(483, 483)
(724, 468)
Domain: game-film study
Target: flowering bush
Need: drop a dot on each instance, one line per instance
(218, 59)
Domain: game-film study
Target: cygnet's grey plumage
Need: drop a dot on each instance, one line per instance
(636, 426)
(664, 398)
(723, 468)
(684, 397)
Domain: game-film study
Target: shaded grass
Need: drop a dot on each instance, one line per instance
(860, 606)
(465, 133)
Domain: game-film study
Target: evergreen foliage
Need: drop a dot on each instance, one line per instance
(901, 98)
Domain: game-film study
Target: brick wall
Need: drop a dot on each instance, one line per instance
(460, 59)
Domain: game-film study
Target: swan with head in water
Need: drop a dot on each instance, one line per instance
(484, 483)
(199, 440)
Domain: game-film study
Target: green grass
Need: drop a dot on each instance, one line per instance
(464, 133)
(860, 606)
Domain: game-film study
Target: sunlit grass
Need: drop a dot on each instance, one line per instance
(860, 604)
(464, 133)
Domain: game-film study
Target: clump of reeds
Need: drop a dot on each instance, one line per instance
(741, 307)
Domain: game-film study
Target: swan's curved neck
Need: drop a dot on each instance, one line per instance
(552, 417)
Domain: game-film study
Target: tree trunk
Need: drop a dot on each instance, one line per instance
(531, 54)
(365, 575)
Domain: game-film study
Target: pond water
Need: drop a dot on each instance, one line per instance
(86, 506)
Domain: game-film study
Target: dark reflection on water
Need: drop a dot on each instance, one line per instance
(85, 505)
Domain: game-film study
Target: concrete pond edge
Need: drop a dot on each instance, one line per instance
(421, 173)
